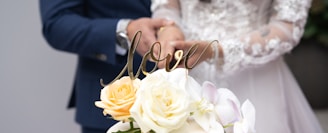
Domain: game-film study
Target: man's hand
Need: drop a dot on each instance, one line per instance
(148, 27)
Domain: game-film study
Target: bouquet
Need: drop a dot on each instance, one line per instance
(173, 102)
(165, 102)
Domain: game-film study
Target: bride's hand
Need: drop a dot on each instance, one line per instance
(165, 36)
(200, 52)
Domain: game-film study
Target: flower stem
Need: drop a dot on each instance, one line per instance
(131, 125)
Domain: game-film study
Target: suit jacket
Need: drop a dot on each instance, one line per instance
(88, 28)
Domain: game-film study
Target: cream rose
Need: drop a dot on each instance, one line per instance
(117, 98)
(162, 104)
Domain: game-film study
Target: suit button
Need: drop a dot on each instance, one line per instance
(101, 57)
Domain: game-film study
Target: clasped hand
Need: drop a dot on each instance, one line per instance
(171, 39)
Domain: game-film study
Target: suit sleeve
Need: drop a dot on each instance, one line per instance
(66, 28)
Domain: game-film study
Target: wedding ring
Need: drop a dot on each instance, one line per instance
(161, 29)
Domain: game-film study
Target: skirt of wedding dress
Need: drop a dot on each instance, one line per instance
(279, 102)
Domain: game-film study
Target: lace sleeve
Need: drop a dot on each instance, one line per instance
(279, 36)
(169, 9)
(264, 44)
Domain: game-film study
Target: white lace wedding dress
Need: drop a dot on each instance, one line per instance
(254, 34)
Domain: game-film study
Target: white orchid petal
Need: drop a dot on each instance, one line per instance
(236, 109)
(242, 127)
(216, 127)
(225, 94)
(238, 128)
(227, 107)
(248, 111)
(202, 120)
(210, 92)
(226, 114)
(194, 89)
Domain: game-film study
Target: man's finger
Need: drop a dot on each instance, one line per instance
(160, 22)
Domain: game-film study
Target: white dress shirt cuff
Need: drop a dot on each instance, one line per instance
(121, 27)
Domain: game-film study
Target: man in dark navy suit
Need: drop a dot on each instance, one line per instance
(98, 31)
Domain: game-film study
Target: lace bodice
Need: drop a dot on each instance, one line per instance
(250, 32)
(200, 18)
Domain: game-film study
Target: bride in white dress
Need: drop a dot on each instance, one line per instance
(253, 35)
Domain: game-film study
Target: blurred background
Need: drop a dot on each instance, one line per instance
(309, 60)
(36, 80)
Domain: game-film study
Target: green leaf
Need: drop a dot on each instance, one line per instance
(131, 130)
(310, 31)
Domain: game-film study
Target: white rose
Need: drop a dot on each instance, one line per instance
(162, 103)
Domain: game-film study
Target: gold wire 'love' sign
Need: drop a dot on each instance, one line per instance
(179, 56)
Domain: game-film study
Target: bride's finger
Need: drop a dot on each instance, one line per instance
(178, 44)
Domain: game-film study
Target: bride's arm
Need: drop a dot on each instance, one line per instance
(279, 36)
(258, 47)
(169, 9)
